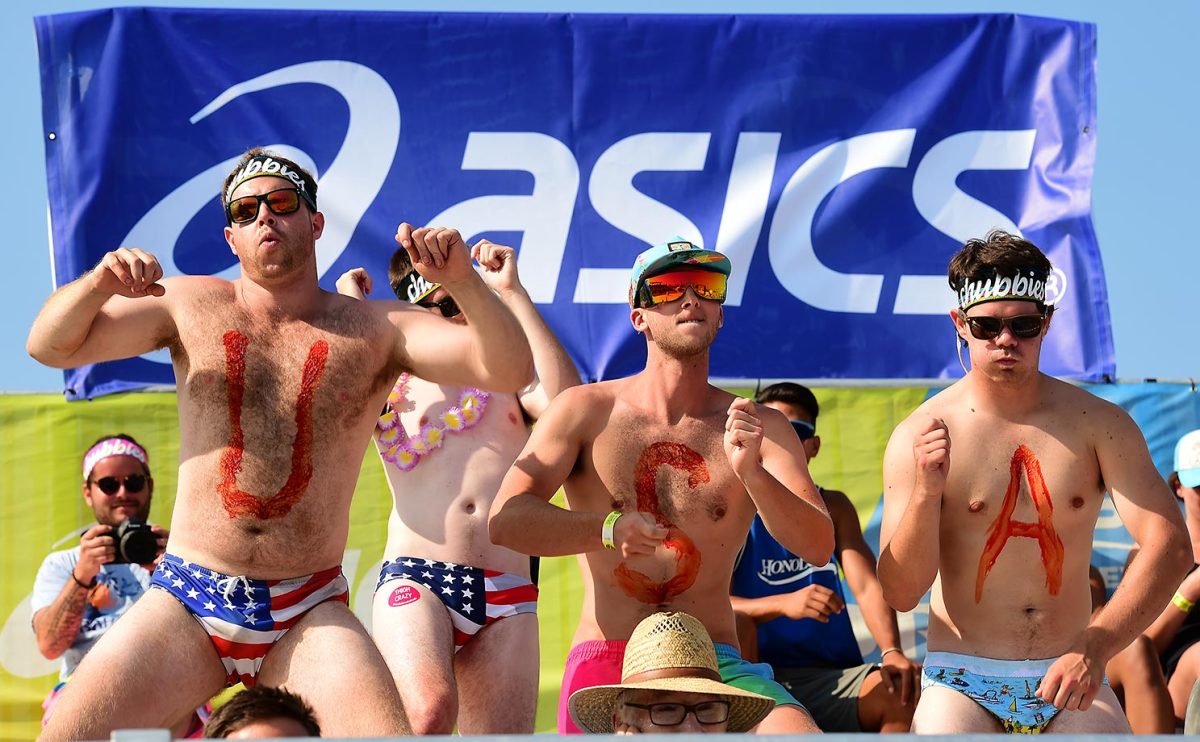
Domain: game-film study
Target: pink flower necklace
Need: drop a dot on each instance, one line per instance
(404, 452)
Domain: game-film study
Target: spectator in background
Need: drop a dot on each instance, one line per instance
(670, 684)
(79, 593)
(263, 712)
(792, 614)
(445, 450)
(1136, 677)
(1176, 631)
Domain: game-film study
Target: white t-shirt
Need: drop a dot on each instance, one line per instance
(126, 583)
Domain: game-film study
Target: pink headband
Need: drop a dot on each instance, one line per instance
(112, 447)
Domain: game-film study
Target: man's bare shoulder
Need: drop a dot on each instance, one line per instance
(943, 404)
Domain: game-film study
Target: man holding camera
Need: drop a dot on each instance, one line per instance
(80, 592)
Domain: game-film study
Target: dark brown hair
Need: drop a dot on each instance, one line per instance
(259, 704)
(260, 152)
(791, 393)
(997, 254)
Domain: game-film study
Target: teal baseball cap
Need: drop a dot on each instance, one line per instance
(678, 253)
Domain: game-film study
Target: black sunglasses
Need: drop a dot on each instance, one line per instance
(280, 201)
(673, 714)
(446, 306)
(803, 430)
(133, 484)
(1023, 326)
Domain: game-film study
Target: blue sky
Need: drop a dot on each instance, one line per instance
(1144, 188)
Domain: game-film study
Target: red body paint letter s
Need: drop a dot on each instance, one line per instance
(687, 560)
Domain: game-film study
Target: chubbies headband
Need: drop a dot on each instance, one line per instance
(262, 165)
(112, 447)
(1025, 284)
(414, 287)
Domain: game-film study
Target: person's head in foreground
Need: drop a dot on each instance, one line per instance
(669, 684)
(263, 713)
(271, 218)
(676, 290)
(1002, 316)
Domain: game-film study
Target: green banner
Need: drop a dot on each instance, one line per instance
(42, 510)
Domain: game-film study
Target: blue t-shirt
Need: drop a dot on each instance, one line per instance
(765, 567)
(126, 583)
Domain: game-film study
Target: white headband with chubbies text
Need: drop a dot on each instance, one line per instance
(112, 447)
(263, 165)
(414, 287)
(1026, 284)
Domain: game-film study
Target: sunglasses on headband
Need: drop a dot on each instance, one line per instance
(1022, 326)
(133, 484)
(446, 306)
(667, 287)
(281, 201)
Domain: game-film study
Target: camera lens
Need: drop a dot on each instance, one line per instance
(135, 543)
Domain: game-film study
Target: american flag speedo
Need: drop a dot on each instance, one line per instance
(474, 597)
(245, 617)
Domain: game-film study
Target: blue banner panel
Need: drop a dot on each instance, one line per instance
(838, 160)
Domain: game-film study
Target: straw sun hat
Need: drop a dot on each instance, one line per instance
(672, 652)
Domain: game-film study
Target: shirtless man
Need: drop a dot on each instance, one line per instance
(663, 474)
(1006, 516)
(455, 616)
(279, 387)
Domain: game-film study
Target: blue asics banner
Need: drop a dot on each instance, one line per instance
(838, 161)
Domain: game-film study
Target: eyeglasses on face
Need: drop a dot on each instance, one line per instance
(1023, 326)
(673, 714)
(667, 287)
(804, 430)
(111, 485)
(280, 201)
(446, 306)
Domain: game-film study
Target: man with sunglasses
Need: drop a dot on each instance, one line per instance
(455, 616)
(279, 387)
(793, 615)
(79, 593)
(1000, 522)
(663, 474)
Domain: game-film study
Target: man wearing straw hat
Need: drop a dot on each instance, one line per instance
(669, 684)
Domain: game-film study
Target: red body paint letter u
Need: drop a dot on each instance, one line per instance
(1004, 527)
(236, 501)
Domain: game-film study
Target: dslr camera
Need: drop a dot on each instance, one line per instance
(134, 542)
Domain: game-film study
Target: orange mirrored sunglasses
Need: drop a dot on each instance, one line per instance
(667, 287)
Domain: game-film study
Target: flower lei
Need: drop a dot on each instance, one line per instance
(403, 451)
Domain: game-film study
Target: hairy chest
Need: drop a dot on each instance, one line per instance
(679, 473)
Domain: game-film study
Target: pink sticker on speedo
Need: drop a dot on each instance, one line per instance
(403, 595)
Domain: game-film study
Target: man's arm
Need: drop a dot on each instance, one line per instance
(553, 369)
(522, 518)
(767, 457)
(914, 478)
(490, 352)
(56, 625)
(1148, 511)
(116, 310)
(1162, 632)
(899, 674)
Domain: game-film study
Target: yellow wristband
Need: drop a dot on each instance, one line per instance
(1182, 603)
(606, 534)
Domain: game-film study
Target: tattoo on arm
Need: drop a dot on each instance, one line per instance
(61, 620)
